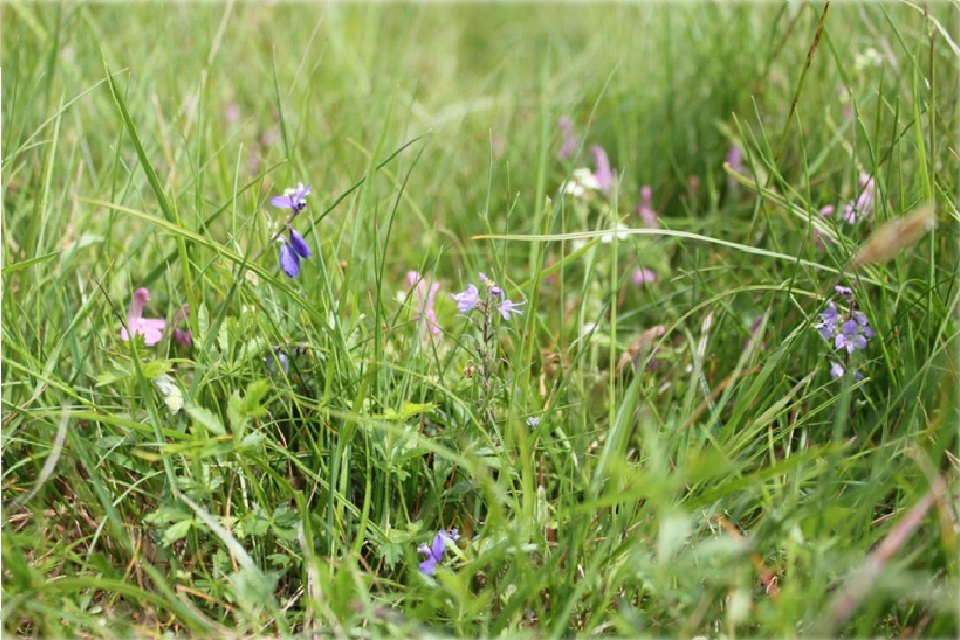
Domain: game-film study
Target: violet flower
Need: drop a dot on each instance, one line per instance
(854, 333)
(467, 300)
(470, 299)
(291, 251)
(293, 199)
(434, 552)
(150, 328)
(293, 248)
(507, 307)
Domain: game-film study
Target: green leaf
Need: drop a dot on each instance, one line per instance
(408, 410)
(110, 377)
(155, 368)
(167, 514)
(206, 419)
(176, 531)
(252, 440)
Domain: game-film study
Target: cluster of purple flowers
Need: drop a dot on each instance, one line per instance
(471, 299)
(294, 247)
(848, 331)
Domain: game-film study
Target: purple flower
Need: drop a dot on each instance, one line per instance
(569, 144)
(291, 251)
(293, 199)
(467, 300)
(533, 421)
(828, 321)
(645, 208)
(507, 307)
(850, 337)
(836, 369)
(854, 333)
(861, 320)
(183, 337)
(735, 158)
(643, 276)
(605, 176)
(434, 552)
(844, 291)
(470, 299)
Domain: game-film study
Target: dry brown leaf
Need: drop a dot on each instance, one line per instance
(895, 235)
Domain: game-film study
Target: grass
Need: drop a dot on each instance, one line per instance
(692, 473)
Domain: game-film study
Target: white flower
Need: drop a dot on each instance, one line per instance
(582, 181)
(585, 177)
(607, 238)
(869, 58)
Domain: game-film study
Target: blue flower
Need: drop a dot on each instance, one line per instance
(291, 251)
(293, 199)
(467, 300)
(434, 552)
(533, 421)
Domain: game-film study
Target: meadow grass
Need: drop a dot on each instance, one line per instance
(668, 458)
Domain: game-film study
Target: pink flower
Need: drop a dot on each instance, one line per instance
(866, 201)
(232, 113)
(150, 328)
(643, 276)
(604, 174)
(425, 301)
(735, 162)
(645, 208)
(754, 328)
